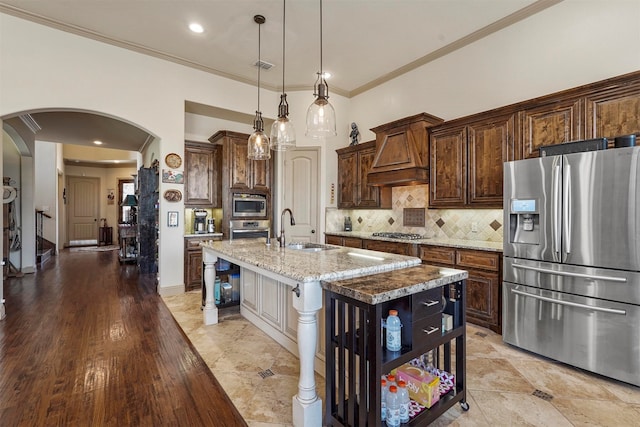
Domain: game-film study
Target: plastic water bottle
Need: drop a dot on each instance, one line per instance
(393, 407)
(216, 291)
(394, 338)
(383, 399)
(391, 380)
(403, 397)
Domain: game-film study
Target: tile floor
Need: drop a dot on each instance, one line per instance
(501, 379)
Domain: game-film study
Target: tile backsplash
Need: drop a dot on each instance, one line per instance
(468, 224)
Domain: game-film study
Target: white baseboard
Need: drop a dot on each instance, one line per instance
(166, 291)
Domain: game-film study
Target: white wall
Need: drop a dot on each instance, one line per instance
(572, 43)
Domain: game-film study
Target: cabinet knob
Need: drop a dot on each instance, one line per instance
(313, 231)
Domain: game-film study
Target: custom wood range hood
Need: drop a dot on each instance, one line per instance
(402, 151)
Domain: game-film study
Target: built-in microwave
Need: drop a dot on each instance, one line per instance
(249, 205)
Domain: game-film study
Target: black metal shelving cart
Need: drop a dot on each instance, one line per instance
(353, 394)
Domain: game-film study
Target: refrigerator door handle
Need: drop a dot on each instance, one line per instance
(555, 203)
(566, 208)
(571, 274)
(571, 304)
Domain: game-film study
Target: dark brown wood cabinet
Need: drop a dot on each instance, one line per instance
(354, 191)
(467, 162)
(604, 109)
(484, 304)
(613, 112)
(202, 175)
(240, 172)
(447, 186)
(350, 242)
(390, 247)
(549, 124)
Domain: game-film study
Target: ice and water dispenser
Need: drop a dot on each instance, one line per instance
(524, 221)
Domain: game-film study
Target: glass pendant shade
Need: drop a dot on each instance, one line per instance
(258, 147)
(258, 144)
(321, 117)
(283, 135)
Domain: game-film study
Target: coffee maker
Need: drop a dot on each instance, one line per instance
(199, 221)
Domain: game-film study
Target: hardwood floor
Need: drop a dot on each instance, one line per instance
(88, 342)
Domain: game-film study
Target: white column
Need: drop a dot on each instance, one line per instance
(210, 311)
(307, 407)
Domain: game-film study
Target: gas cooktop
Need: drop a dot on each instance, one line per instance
(405, 236)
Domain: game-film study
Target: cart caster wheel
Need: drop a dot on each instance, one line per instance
(464, 406)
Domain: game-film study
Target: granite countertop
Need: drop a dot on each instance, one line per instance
(203, 235)
(381, 287)
(336, 263)
(435, 241)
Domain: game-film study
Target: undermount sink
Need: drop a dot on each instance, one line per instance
(310, 247)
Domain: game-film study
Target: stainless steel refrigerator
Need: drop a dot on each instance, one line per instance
(571, 287)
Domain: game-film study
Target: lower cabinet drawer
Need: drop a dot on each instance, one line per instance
(437, 254)
(427, 329)
(352, 242)
(478, 259)
(427, 303)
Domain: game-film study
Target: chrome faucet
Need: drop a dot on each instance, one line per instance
(280, 238)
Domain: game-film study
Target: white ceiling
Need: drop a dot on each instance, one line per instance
(365, 42)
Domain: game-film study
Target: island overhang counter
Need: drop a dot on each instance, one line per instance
(303, 272)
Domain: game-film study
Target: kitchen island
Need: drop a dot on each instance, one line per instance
(422, 297)
(301, 271)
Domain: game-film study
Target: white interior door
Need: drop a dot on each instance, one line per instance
(301, 194)
(82, 214)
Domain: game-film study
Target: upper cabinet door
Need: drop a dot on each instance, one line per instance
(490, 144)
(614, 112)
(239, 174)
(202, 175)
(369, 195)
(550, 124)
(260, 176)
(448, 178)
(347, 179)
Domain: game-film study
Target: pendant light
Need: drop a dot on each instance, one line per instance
(283, 135)
(321, 117)
(258, 148)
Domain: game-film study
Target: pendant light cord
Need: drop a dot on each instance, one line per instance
(284, 17)
(259, 63)
(321, 70)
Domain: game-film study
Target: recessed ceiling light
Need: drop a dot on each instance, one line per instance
(97, 142)
(196, 28)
